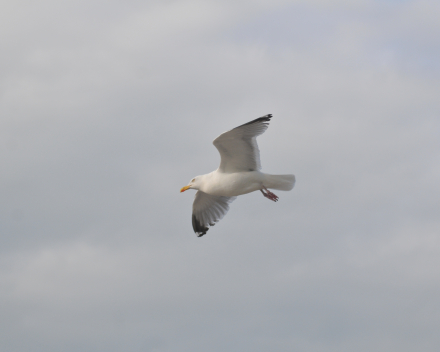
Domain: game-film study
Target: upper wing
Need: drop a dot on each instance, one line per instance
(238, 147)
(207, 210)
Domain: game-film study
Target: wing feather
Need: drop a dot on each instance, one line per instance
(238, 147)
(207, 210)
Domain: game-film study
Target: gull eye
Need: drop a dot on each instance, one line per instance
(193, 180)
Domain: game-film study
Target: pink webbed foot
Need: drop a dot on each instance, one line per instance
(268, 194)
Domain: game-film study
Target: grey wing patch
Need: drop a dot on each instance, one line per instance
(263, 119)
(207, 210)
(238, 147)
(198, 227)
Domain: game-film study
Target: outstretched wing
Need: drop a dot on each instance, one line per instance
(238, 147)
(207, 210)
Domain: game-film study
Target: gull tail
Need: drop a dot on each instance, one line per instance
(280, 182)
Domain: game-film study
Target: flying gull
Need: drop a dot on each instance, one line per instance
(239, 173)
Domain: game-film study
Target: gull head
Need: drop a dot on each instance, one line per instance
(194, 184)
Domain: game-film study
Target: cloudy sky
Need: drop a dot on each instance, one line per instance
(108, 108)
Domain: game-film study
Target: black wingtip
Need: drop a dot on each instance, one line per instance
(265, 118)
(199, 229)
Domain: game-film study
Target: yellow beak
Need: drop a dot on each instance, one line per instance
(184, 189)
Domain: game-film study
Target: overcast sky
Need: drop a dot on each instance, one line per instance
(108, 108)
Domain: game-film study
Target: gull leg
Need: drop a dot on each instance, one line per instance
(268, 194)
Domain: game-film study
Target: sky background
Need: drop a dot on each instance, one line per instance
(108, 108)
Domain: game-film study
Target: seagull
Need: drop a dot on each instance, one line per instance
(239, 173)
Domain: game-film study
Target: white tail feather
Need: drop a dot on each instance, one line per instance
(280, 182)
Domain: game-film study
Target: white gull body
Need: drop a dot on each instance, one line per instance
(239, 173)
